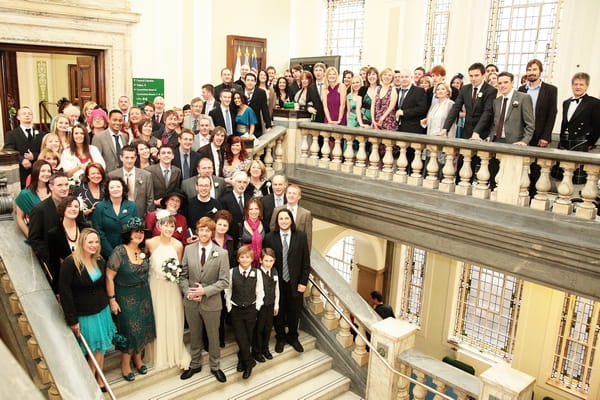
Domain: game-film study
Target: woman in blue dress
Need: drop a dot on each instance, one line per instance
(32, 194)
(245, 120)
(111, 213)
(83, 297)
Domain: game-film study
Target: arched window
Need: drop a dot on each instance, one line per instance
(345, 20)
(341, 256)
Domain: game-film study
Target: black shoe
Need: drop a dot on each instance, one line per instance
(297, 346)
(279, 346)
(240, 366)
(268, 355)
(260, 358)
(219, 375)
(188, 373)
(247, 373)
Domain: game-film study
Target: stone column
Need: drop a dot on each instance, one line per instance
(503, 382)
(390, 337)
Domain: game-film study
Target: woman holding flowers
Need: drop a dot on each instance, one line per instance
(168, 350)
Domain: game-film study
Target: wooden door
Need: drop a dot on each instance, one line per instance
(86, 79)
(368, 280)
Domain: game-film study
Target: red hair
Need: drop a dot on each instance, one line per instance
(232, 140)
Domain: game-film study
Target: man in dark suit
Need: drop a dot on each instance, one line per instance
(302, 217)
(234, 201)
(384, 310)
(110, 141)
(165, 177)
(257, 100)
(273, 200)
(293, 266)
(205, 168)
(159, 109)
(513, 114)
(224, 115)
(44, 217)
(411, 107)
(315, 91)
(544, 97)
(580, 126)
(208, 95)
(168, 136)
(438, 75)
(227, 78)
(139, 181)
(149, 112)
(215, 150)
(204, 275)
(296, 85)
(184, 157)
(477, 98)
(26, 140)
(244, 70)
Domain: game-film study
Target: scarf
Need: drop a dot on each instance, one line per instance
(256, 244)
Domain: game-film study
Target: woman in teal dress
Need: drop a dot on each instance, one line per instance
(111, 213)
(368, 94)
(129, 296)
(32, 194)
(354, 104)
(245, 120)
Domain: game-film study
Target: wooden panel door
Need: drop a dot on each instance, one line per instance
(86, 79)
(369, 279)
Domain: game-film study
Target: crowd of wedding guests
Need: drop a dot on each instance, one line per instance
(143, 217)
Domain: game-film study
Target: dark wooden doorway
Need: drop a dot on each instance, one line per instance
(89, 77)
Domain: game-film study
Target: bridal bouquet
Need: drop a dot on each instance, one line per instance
(171, 270)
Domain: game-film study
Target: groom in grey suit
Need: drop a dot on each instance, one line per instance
(204, 275)
(513, 121)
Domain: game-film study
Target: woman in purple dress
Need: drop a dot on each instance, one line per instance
(334, 98)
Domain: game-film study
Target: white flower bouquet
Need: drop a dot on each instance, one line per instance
(171, 270)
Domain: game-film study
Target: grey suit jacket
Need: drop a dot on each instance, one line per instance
(303, 222)
(158, 181)
(518, 123)
(189, 186)
(213, 276)
(144, 190)
(106, 145)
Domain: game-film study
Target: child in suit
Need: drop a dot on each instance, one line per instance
(270, 306)
(243, 299)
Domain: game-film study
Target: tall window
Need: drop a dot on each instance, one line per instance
(341, 255)
(345, 19)
(414, 270)
(521, 30)
(488, 310)
(438, 17)
(576, 345)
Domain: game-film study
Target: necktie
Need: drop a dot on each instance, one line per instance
(130, 184)
(249, 96)
(166, 174)
(269, 274)
(241, 203)
(320, 84)
(29, 135)
(166, 137)
(474, 96)
(278, 202)
(500, 126)
(402, 96)
(186, 166)
(118, 150)
(285, 269)
(228, 122)
(203, 256)
(572, 107)
(157, 118)
(245, 276)
(195, 126)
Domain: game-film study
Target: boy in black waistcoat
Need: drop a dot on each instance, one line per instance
(270, 307)
(243, 298)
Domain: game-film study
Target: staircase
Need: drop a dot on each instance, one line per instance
(288, 376)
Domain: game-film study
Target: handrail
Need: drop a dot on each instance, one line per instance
(98, 369)
(44, 113)
(368, 342)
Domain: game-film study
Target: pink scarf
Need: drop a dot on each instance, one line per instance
(257, 239)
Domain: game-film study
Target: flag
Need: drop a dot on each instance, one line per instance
(246, 57)
(238, 63)
(253, 65)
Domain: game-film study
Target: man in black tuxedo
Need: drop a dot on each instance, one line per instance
(149, 112)
(296, 85)
(257, 100)
(315, 91)
(478, 99)
(159, 109)
(244, 69)
(208, 95)
(168, 136)
(412, 105)
(273, 200)
(580, 126)
(215, 150)
(224, 114)
(184, 157)
(227, 78)
(293, 266)
(26, 140)
(234, 201)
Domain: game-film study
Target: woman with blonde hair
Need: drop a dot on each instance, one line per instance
(384, 103)
(259, 185)
(61, 126)
(334, 98)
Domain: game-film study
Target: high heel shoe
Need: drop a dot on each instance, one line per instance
(130, 377)
(143, 370)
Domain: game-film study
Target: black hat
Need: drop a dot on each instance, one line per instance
(178, 193)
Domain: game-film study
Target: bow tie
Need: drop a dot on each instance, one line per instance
(576, 100)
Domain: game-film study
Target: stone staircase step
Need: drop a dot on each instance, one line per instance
(328, 385)
(167, 385)
(269, 380)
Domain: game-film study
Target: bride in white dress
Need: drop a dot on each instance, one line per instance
(168, 350)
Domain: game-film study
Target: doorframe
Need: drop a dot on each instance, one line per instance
(98, 54)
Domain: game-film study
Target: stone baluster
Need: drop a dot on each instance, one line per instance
(325, 151)
(387, 169)
(431, 181)
(587, 209)
(460, 394)
(373, 169)
(348, 164)
(416, 177)
(304, 146)
(278, 162)
(315, 304)
(361, 157)
(336, 161)
(34, 348)
(524, 184)
(24, 326)
(403, 384)
(563, 204)
(542, 186)
(44, 372)
(447, 183)
(500, 381)
(329, 319)
(314, 149)
(466, 173)
(344, 336)
(268, 160)
(258, 154)
(53, 393)
(419, 392)
(360, 353)
(440, 386)
(401, 176)
(482, 189)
